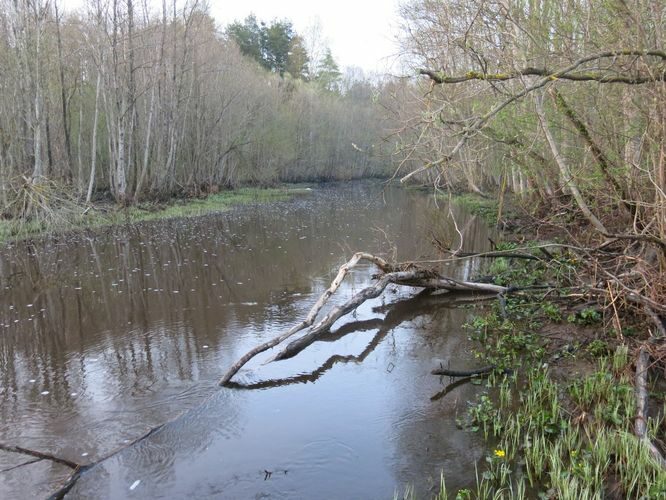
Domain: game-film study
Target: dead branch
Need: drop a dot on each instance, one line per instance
(312, 315)
(509, 254)
(563, 74)
(414, 278)
(40, 455)
(462, 373)
(337, 312)
(421, 279)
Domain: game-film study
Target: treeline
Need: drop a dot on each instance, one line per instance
(551, 100)
(118, 99)
(562, 103)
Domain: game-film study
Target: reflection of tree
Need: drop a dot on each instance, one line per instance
(147, 340)
(397, 313)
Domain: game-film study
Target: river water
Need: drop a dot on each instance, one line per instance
(104, 336)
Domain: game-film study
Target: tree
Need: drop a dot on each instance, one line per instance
(159, 106)
(328, 73)
(549, 100)
(250, 38)
(275, 46)
(298, 60)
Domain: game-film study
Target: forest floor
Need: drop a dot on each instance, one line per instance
(562, 408)
(71, 216)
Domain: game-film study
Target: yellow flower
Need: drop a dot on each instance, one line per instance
(500, 453)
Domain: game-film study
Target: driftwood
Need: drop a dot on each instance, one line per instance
(640, 424)
(404, 275)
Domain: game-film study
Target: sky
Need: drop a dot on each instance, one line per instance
(359, 32)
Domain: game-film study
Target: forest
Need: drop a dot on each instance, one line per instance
(122, 100)
(562, 105)
(513, 237)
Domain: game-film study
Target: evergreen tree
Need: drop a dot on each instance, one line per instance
(249, 37)
(328, 73)
(275, 46)
(298, 61)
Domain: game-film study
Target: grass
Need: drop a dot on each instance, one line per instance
(486, 208)
(97, 216)
(550, 434)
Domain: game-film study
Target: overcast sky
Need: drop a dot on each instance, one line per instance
(359, 32)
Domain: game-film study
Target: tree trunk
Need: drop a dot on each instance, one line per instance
(567, 176)
(93, 153)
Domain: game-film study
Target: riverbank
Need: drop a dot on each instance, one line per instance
(564, 422)
(72, 216)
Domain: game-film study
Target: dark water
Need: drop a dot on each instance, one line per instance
(103, 337)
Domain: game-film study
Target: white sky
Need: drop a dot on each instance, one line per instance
(359, 32)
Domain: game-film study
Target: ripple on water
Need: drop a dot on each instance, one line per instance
(114, 364)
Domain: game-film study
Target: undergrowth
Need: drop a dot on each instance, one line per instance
(555, 436)
(42, 209)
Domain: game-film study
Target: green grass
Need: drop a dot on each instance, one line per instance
(486, 208)
(212, 204)
(565, 437)
(97, 216)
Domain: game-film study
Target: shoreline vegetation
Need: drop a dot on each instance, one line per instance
(573, 407)
(75, 217)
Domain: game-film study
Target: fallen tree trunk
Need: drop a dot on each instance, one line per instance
(405, 275)
(312, 315)
(337, 312)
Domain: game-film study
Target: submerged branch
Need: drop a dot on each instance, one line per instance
(462, 373)
(40, 455)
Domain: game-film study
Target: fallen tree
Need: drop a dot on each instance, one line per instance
(407, 274)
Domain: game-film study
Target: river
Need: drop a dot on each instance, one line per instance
(105, 335)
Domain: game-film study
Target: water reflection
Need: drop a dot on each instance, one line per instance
(103, 336)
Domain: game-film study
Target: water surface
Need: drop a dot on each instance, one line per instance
(103, 336)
